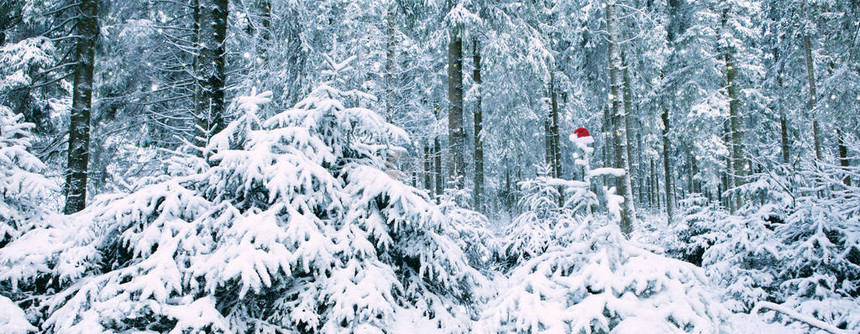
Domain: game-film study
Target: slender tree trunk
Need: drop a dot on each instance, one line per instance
(508, 189)
(87, 30)
(556, 151)
(694, 171)
(783, 119)
(390, 53)
(628, 119)
(810, 71)
(668, 171)
(428, 169)
(210, 68)
(843, 156)
(478, 119)
(437, 155)
(729, 180)
(556, 148)
(549, 156)
(456, 135)
(609, 145)
(736, 121)
(618, 123)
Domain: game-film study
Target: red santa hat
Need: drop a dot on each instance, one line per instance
(582, 136)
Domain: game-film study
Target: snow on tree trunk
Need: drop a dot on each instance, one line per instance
(210, 69)
(79, 124)
(619, 114)
(456, 133)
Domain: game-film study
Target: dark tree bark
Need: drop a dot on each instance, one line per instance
(618, 123)
(736, 122)
(479, 140)
(456, 135)
(87, 30)
(210, 70)
(556, 150)
(843, 156)
(390, 53)
(437, 156)
(428, 169)
(783, 119)
(668, 172)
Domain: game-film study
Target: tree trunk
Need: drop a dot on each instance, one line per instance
(389, 63)
(810, 71)
(508, 190)
(628, 107)
(428, 166)
(843, 157)
(456, 135)
(618, 122)
(82, 92)
(478, 119)
(549, 156)
(668, 171)
(437, 155)
(729, 180)
(736, 122)
(783, 119)
(210, 69)
(556, 151)
(694, 166)
(609, 144)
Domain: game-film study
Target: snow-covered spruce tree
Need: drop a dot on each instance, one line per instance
(531, 232)
(684, 239)
(600, 282)
(820, 272)
(469, 226)
(294, 228)
(23, 189)
(743, 256)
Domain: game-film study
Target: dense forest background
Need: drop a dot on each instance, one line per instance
(372, 166)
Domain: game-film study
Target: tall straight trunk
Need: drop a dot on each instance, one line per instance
(428, 169)
(456, 135)
(655, 186)
(810, 71)
(389, 63)
(641, 164)
(694, 170)
(736, 121)
(628, 118)
(437, 156)
(547, 141)
(609, 145)
(210, 68)
(556, 151)
(729, 182)
(508, 190)
(783, 119)
(843, 156)
(87, 30)
(618, 122)
(668, 172)
(478, 119)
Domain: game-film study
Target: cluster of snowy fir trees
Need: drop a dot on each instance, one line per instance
(457, 166)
